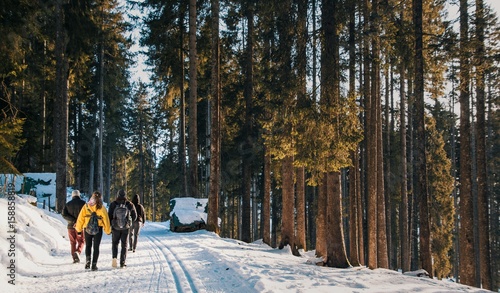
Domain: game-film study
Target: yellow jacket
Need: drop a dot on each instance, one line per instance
(84, 217)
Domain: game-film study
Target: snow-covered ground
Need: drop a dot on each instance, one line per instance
(174, 262)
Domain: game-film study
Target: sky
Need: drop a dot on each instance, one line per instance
(166, 261)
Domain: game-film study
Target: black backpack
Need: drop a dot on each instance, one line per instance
(122, 219)
(93, 225)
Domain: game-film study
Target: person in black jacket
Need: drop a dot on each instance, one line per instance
(70, 213)
(120, 234)
(137, 224)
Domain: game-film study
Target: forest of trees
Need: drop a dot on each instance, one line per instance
(366, 130)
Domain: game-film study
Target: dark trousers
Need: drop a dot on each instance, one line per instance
(76, 241)
(119, 236)
(134, 234)
(93, 241)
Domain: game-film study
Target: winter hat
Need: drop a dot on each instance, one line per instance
(75, 193)
(121, 193)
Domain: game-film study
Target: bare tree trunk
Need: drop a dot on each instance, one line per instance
(247, 148)
(213, 199)
(336, 253)
(482, 182)
(467, 253)
(193, 103)
(421, 185)
(354, 168)
(371, 155)
(300, 207)
(321, 219)
(288, 211)
(403, 208)
(266, 203)
(61, 109)
(182, 110)
(302, 103)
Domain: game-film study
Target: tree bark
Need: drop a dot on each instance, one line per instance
(266, 203)
(403, 207)
(467, 270)
(182, 110)
(482, 182)
(288, 211)
(213, 199)
(247, 147)
(193, 103)
(421, 190)
(61, 108)
(336, 253)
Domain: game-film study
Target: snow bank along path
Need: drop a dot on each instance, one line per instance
(180, 262)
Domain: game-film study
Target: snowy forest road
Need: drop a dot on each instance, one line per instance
(163, 262)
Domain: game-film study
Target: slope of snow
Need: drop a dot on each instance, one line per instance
(177, 262)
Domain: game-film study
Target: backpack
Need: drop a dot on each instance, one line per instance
(122, 219)
(93, 225)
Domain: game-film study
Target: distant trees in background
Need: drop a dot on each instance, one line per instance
(323, 125)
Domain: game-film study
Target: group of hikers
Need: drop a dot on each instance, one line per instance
(87, 221)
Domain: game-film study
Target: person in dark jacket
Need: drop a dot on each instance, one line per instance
(70, 213)
(120, 234)
(137, 224)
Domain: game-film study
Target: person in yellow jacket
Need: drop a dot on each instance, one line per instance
(94, 204)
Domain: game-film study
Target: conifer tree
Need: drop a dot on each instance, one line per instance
(442, 209)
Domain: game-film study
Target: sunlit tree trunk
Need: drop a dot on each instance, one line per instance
(467, 269)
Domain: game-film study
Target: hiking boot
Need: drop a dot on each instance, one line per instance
(94, 267)
(114, 263)
(76, 258)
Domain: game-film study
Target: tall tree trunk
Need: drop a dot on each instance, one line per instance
(213, 199)
(387, 170)
(182, 110)
(247, 148)
(370, 131)
(61, 108)
(354, 168)
(330, 98)
(193, 103)
(376, 139)
(403, 208)
(466, 236)
(100, 175)
(482, 182)
(302, 103)
(421, 166)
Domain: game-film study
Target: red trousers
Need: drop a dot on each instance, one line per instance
(76, 241)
